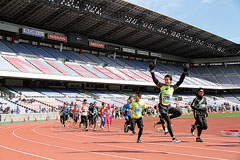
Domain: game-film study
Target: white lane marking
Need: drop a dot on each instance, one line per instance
(68, 148)
(182, 154)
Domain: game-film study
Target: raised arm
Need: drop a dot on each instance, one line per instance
(185, 69)
(151, 67)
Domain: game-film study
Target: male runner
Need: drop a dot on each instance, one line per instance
(166, 92)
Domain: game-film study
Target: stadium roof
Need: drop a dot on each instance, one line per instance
(119, 22)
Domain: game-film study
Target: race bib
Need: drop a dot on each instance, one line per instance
(137, 110)
(201, 106)
(166, 98)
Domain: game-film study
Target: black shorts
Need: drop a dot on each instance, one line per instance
(138, 121)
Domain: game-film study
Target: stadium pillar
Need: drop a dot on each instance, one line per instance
(155, 61)
(13, 39)
(114, 55)
(80, 50)
(129, 57)
(61, 47)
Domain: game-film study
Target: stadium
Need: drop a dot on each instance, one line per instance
(61, 52)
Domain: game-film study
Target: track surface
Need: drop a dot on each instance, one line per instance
(50, 140)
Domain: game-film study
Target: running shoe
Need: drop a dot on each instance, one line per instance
(125, 128)
(139, 141)
(133, 132)
(166, 131)
(192, 130)
(176, 141)
(199, 140)
(154, 125)
(94, 129)
(86, 129)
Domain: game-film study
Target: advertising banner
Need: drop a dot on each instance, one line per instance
(32, 32)
(96, 44)
(57, 37)
(112, 47)
(128, 50)
(156, 54)
(143, 52)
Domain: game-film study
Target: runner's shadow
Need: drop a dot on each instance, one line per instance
(127, 151)
(165, 141)
(223, 145)
(111, 142)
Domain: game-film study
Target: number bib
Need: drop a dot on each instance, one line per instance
(137, 110)
(166, 98)
(201, 106)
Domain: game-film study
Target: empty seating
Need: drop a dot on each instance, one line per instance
(18, 48)
(228, 70)
(223, 80)
(131, 74)
(27, 92)
(215, 70)
(54, 52)
(22, 65)
(235, 79)
(203, 70)
(107, 73)
(120, 74)
(80, 70)
(5, 48)
(5, 66)
(62, 68)
(49, 92)
(43, 66)
(37, 51)
(142, 75)
(96, 72)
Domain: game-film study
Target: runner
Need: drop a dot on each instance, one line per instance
(127, 114)
(199, 105)
(84, 114)
(103, 115)
(166, 92)
(75, 115)
(137, 108)
(95, 115)
(109, 116)
(65, 112)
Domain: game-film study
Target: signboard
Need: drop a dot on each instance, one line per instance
(143, 52)
(112, 47)
(77, 39)
(96, 44)
(156, 55)
(32, 32)
(57, 37)
(128, 50)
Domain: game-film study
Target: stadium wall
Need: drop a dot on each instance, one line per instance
(28, 117)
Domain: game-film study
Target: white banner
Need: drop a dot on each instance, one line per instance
(156, 55)
(129, 50)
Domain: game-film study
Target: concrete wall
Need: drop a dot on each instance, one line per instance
(29, 117)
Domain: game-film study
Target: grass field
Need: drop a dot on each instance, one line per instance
(234, 114)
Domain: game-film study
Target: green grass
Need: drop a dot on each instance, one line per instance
(234, 114)
(219, 115)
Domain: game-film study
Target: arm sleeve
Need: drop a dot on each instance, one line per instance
(193, 105)
(180, 81)
(155, 80)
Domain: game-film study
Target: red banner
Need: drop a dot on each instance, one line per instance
(96, 44)
(57, 37)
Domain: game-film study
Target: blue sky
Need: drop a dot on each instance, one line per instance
(220, 17)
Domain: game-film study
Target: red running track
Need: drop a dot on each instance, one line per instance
(51, 141)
